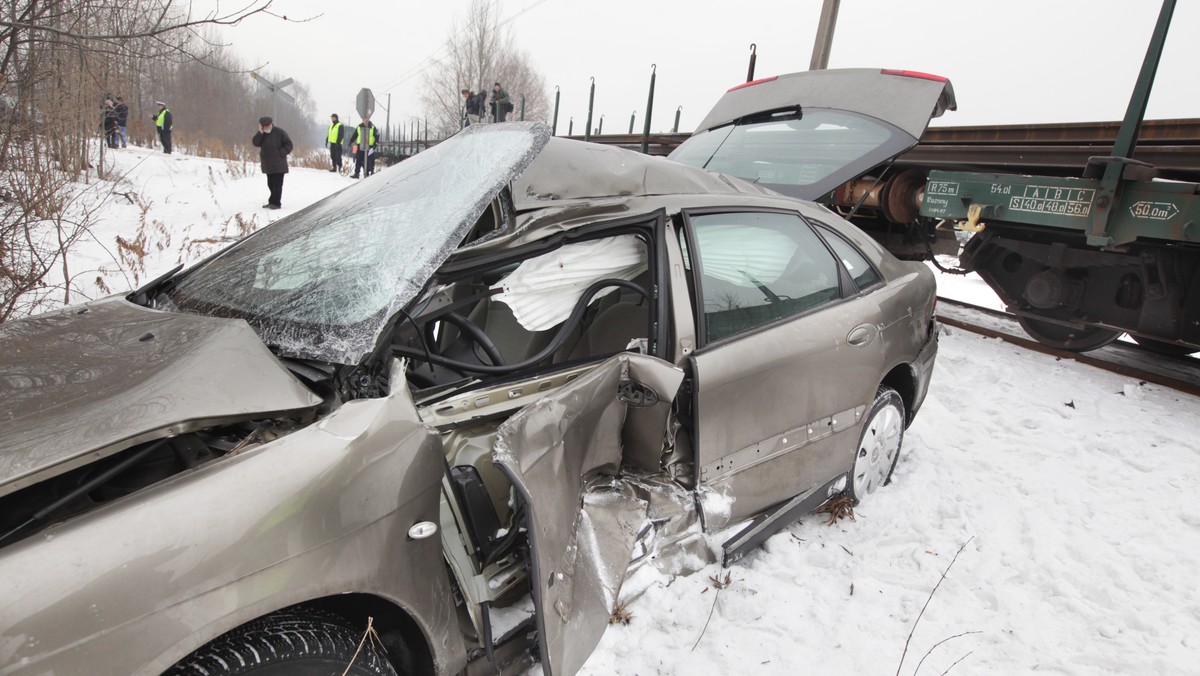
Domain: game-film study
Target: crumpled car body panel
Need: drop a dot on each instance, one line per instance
(92, 380)
(321, 512)
(563, 454)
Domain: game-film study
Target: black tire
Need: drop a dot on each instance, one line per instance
(288, 643)
(878, 447)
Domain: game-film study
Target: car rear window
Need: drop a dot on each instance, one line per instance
(803, 154)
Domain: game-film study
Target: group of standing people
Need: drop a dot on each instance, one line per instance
(477, 108)
(362, 145)
(116, 119)
(116, 123)
(274, 145)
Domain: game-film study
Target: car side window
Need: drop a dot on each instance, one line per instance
(756, 268)
(856, 264)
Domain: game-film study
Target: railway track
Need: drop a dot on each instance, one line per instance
(1173, 146)
(1127, 359)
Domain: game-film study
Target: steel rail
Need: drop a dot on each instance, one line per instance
(1126, 359)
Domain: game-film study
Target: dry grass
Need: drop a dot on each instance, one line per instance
(838, 508)
(620, 615)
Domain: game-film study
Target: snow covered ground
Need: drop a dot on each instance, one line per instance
(1070, 491)
(169, 209)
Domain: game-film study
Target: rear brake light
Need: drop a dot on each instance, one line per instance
(752, 82)
(914, 73)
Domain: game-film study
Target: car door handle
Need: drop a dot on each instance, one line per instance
(861, 335)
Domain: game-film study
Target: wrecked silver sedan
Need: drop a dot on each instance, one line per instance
(448, 409)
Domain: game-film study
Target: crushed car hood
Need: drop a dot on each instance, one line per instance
(92, 380)
(325, 282)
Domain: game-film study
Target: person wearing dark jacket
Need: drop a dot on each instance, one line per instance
(111, 131)
(334, 140)
(273, 145)
(162, 121)
(123, 120)
(501, 105)
(472, 106)
(364, 148)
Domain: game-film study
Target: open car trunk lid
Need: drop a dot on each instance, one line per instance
(804, 134)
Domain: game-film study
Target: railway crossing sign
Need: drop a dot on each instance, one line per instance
(274, 89)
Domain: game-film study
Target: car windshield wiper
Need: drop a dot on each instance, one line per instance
(773, 115)
(90, 485)
(149, 290)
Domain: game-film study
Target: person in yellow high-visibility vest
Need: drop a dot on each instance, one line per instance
(162, 121)
(334, 140)
(364, 149)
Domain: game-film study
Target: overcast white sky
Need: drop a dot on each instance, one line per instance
(1018, 61)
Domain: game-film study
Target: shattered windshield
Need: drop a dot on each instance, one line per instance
(322, 283)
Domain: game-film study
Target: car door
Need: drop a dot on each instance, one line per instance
(788, 361)
(562, 454)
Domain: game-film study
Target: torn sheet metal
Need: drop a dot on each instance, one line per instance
(562, 455)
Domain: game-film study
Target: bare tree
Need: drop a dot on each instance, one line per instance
(58, 61)
(480, 51)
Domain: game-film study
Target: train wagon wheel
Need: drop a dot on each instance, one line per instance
(1169, 349)
(1075, 339)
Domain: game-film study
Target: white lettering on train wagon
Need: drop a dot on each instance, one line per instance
(1049, 199)
(1158, 211)
(941, 188)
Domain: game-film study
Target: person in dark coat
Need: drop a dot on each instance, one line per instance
(364, 147)
(163, 122)
(472, 106)
(334, 139)
(111, 131)
(273, 145)
(123, 120)
(501, 105)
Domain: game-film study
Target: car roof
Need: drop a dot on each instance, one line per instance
(567, 170)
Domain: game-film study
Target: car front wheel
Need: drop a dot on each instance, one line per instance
(289, 643)
(879, 446)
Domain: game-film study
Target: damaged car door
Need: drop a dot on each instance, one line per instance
(563, 455)
(789, 356)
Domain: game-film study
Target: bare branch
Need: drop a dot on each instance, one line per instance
(935, 645)
(931, 593)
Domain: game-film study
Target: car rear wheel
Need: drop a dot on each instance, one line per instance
(290, 642)
(879, 445)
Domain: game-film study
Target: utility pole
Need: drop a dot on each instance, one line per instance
(824, 40)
